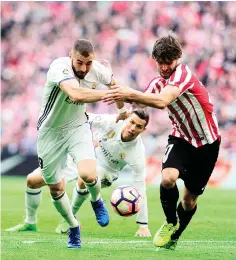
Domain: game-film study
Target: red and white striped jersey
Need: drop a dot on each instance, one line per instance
(191, 113)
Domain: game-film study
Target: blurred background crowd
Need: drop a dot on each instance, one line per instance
(35, 33)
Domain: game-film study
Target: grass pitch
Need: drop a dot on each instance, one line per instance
(210, 235)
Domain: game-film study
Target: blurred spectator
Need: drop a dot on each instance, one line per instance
(34, 33)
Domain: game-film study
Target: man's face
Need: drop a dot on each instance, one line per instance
(81, 65)
(133, 127)
(166, 68)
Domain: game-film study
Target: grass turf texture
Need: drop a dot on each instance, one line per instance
(210, 235)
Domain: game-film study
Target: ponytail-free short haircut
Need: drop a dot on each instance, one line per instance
(141, 113)
(167, 49)
(84, 47)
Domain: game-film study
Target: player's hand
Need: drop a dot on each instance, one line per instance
(122, 116)
(118, 93)
(143, 232)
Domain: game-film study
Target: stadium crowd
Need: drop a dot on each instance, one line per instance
(35, 33)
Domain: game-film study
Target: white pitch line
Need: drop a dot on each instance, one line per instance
(140, 241)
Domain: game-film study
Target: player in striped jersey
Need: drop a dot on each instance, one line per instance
(194, 142)
(63, 129)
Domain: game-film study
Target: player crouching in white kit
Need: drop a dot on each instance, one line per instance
(119, 144)
(63, 129)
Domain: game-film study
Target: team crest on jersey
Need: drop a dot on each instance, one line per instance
(66, 71)
(94, 85)
(122, 156)
(111, 133)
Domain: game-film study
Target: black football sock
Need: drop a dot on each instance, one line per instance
(184, 219)
(169, 199)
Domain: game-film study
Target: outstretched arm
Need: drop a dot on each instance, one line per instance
(160, 101)
(78, 94)
(139, 175)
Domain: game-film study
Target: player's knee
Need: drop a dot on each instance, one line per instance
(188, 204)
(88, 175)
(31, 182)
(169, 177)
(88, 178)
(56, 191)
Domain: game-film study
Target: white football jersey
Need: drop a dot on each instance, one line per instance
(113, 154)
(57, 109)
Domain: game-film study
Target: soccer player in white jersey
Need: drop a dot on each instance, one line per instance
(119, 144)
(194, 142)
(63, 129)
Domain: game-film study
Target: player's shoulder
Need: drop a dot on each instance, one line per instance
(156, 82)
(182, 68)
(99, 68)
(60, 62)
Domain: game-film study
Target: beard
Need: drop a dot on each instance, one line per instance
(79, 74)
(166, 74)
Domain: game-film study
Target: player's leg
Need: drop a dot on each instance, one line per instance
(83, 155)
(185, 210)
(169, 196)
(172, 165)
(87, 171)
(195, 179)
(32, 201)
(52, 151)
(80, 194)
(61, 202)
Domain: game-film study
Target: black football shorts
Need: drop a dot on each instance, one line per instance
(195, 165)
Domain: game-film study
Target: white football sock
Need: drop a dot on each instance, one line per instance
(32, 201)
(62, 204)
(78, 198)
(94, 189)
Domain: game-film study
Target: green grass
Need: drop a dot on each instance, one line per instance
(210, 235)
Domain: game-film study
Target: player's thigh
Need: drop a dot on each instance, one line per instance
(202, 165)
(82, 151)
(35, 179)
(175, 160)
(80, 144)
(52, 155)
(71, 171)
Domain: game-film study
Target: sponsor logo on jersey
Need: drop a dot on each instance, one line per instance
(107, 154)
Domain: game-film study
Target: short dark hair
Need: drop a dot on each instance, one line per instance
(166, 49)
(141, 113)
(84, 47)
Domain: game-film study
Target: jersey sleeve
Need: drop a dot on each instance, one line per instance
(59, 71)
(101, 120)
(182, 78)
(139, 182)
(104, 74)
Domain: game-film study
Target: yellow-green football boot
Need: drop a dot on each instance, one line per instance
(163, 235)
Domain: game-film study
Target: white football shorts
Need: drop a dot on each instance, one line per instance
(54, 145)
